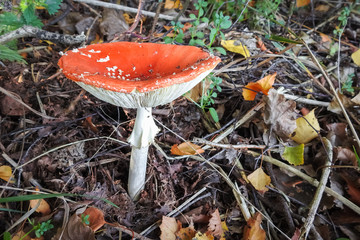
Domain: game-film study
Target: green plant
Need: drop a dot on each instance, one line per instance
(39, 228)
(85, 219)
(220, 22)
(197, 36)
(207, 99)
(344, 15)
(357, 156)
(178, 34)
(347, 85)
(24, 14)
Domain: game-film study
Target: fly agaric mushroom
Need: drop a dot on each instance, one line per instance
(137, 75)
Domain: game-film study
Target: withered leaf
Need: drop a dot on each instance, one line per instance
(75, 229)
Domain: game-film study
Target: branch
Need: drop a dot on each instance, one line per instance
(131, 10)
(30, 31)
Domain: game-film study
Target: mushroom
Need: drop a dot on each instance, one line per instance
(141, 76)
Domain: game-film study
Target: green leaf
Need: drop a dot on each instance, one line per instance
(30, 17)
(200, 34)
(214, 114)
(205, 19)
(168, 40)
(220, 50)
(199, 42)
(225, 24)
(53, 6)
(192, 16)
(213, 32)
(9, 21)
(10, 55)
(282, 39)
(294, 155)
(357, 156)
(201, 12)
(7, 236)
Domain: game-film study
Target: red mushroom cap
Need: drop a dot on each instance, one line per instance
(128, 67)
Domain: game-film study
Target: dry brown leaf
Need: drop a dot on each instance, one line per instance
(215, 226)
(356, 99)
(168, 228)
(171, 4)
(253, 230)
(334, 104)
(196, 92)
(75, 229)
(280, 115)
(186, 148)
(201, 236)
(44, 207)
(259, 179)
(302, 3)
(322, 8)
(5, 172)
(20, 235)
(96, 218)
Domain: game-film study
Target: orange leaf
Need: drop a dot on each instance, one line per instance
(259, 180)
(253, 230)
(44, 207)
(96, 218)
(263, 85)
(5, 173)
(325, 38)
(186, 233)
(171, 4)
(186, 148)
(302, 3)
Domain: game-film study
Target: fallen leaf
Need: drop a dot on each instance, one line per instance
(236, 46)
(173, 4)
(356, 99)
(96, 218)
(356, 57)
(253, 230)
(186, 233)
(334, 105)
(201, 236)
(186, 148)
(302, 3)
(325, 38)
(44, 207)
(259, 179)
(168, 228)
(322, 8)
(263, 85)
(280, 114)
(215, 225)
(196, 93)
(337, 134)
(20, 235)
(74, 229)
(294, 155)
(306, 128)
(5, 172)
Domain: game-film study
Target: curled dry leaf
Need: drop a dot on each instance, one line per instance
(356, 99)
(306, 128)
(259, 179)
(186, 148)
(96, 218)
(74, 229)
(5, 172)
(168, 228)
(253, 230)
(44, 207)
(280, 115)
(215, 225)
(263, 85)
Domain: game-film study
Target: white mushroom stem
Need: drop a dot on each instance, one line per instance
(141, 137)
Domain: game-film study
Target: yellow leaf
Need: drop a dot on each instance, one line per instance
(171, 4)
(44, 207)
(259, 180)
(168, 228)
(356, 57)
(186, 148)
(305, 126)
(302, 3)
(263, 85)
(186, 233)
(5, 173)
(236, 47)
(200, 236)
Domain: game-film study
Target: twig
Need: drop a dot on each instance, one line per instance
(335, 93)
(156, 18)
(228, 146)
(319, 191)
(30, 31)
(306, 101)
(309, 179)
(244, 119)
(18, 99)
(137, 17)
(132, 10)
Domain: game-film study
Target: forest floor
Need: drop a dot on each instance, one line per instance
(276, 125)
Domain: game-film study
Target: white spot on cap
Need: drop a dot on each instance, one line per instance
(75, 50)
(87, 55)
(134, 68)
(104, 59)
(93, 51)
(120, 72)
